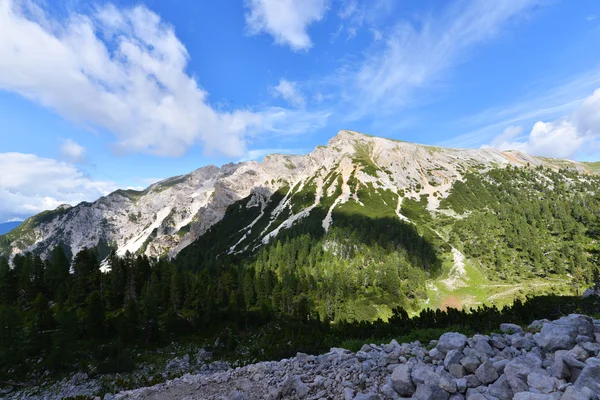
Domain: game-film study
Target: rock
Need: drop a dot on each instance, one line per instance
(499, 366)
(293, 385)
(536, 396)
(366, 348)
(367, 396)
(538, 324)
(559, 369)
(482, 346)
(472, 381)
(389, 391)
(436, 354)
(430, 392)
(453, 357)
(486, 373)
(501, 389)
(461, 385)
(561, 334)
(540, 382)
(589, 378)
(476, 396)
(456, 370)
(401, 380)
(448, 385)
(235, 395)
(511, 328)
(522, 342)
(348, 394)
(593, 361)
(451, 341)
(517, 370)
(591, 348)
(573, 393)
(470, 363)
(497, 344)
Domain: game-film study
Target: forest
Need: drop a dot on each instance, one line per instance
(308, 289)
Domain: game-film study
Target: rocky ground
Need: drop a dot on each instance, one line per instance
(550, 360)
(561, 361)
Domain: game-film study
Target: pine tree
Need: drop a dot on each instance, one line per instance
(57, 274)
(94, 315)
(8, 287)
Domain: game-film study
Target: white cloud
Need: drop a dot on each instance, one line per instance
(259, 154)
(564, 137)
(35, 184)
(72, 151)
(123, 70)
(548, 100)
(357, 14)
(415, 55)
(286, 20)
(289, 92)
(507, 136)
(282, 121)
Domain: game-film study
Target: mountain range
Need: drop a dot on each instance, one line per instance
(170, 214)
(446, 195)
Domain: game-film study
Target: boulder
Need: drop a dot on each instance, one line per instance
(561, 334)
(456, 370)
(589, 378)
(471, 363)
(451, 341)
(430, 392)
(453, 357)
(517, 370)
(573, 393)
(542, 383)
(401, 380)
(486, 373)
(511, 328)
(501, 389)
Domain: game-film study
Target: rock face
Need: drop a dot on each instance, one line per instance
(171, 214)
(395, 371)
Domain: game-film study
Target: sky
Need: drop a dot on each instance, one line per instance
(96, 96)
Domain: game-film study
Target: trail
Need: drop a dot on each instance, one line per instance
(458, 274)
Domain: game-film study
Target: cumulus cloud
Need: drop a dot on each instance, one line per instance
(72, 151)
(123, 70)
(564, 137)
(289, 92)
(286, 20)
(35, 184)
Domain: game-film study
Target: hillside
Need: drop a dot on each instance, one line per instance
(355, 228)
(171, 214)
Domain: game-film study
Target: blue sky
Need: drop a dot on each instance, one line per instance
(95, 96)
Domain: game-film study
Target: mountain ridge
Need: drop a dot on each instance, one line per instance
(171, 214)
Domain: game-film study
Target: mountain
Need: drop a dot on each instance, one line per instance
(355, 228)
(171, 214)
(8, 226)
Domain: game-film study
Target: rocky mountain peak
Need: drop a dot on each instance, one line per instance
(172, 213)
